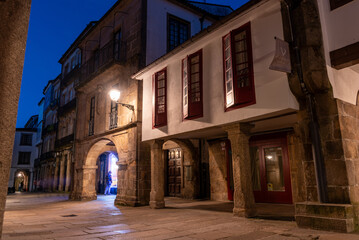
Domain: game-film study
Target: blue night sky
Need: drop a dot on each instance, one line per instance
(54, 25)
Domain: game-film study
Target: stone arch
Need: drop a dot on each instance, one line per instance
(190, 166)
(87, 172)
(24, 177)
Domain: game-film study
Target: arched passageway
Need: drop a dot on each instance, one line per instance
(21, 181)
(174, 171)
(91, 176)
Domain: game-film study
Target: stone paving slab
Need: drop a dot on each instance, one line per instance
(52, 216)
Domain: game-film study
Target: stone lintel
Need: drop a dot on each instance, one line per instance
(237, 128)
(324, 216)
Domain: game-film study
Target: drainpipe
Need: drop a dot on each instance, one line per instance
(313, 124)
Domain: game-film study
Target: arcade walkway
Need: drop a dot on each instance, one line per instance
(51, 216)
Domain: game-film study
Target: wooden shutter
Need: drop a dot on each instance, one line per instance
(195, 103)
(185, 87)
(242, 65)
(228, 72)
(160, 98)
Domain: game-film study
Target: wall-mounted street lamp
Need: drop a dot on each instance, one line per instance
(115, 95)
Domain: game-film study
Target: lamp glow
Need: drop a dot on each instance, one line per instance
(115, 95)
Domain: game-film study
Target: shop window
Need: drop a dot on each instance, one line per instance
(159, 88)
(238, 68)
(178, 31)
(192, 86)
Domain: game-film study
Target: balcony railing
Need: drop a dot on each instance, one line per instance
(67, 107)
(112, 52)
(69, 76)
(113, 119)
(47, 155)
(64, 141)
(49, 129)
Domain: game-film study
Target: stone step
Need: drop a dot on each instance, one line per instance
(330, 217)
(325, 223)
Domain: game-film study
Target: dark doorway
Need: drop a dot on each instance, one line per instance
(230, 183)
(270, 169)
(101, 173)
(174, 172)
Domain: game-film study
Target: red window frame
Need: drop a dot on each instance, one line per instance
(159, 99)
(192, 88)
(239, 90)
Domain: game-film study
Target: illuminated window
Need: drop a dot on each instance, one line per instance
(238, 68)
(159, 108)
(192, 86)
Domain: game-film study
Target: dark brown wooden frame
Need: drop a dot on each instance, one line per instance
(239, 100)
(158, 121)
(195, 110)
(170, 16)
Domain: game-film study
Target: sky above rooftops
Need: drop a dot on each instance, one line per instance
(54, 25)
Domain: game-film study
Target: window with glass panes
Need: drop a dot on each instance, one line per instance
(92, 116)
(178, 31)
(192, 86)
(26, 139)
(24, 158)
(159, 85)
(238, 68)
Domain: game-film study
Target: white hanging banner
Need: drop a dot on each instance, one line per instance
(281, 60)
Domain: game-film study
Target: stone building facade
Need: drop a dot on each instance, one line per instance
(44, 165)
(128, 37)
(260, 136)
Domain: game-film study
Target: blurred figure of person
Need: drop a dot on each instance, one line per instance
(108, 183)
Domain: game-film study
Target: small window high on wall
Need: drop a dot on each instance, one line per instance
(192, 86)
(238, 68)
(159, 105)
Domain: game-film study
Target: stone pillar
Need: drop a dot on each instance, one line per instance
(14, 21)
(56, 174)
(68, 172)
(157, 175)
(87, 189)
(62, 173)
(244, 204)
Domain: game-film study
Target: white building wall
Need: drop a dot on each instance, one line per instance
(18, 148)
(340, 29)
(273, 95)
(157, 11)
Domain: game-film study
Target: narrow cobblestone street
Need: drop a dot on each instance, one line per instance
(52, 216)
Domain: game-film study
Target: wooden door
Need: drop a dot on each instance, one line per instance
(270, 169)
(174, 172)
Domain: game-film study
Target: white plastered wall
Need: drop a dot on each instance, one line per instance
(273, 95)
(340, 29)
